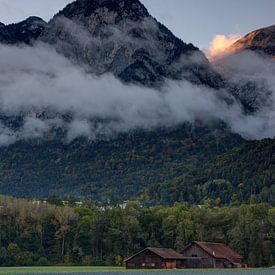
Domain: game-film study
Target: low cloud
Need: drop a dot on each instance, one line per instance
(49, 92)
(255, 73)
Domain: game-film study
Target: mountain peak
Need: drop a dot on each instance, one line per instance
(121, 37)
(122, 8)
(22, 32)
(33, 20)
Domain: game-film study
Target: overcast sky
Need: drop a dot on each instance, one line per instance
(196, 21)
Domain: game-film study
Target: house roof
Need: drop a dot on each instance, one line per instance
(164, 253)
(219, 250)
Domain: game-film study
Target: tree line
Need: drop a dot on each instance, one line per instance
(41, 233)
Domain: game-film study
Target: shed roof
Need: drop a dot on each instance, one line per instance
(164, 253)
(219, 250)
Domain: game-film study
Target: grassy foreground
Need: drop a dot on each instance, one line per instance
(57, 269)
(81, 269)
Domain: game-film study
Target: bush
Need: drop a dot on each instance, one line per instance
(68, 260)
(13, 250)
(87, 261)
(42, 262)
(24, 258)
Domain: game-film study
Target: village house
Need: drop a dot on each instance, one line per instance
(195, 255)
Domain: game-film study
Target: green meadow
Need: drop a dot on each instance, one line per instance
(116, 271)
(58, 269)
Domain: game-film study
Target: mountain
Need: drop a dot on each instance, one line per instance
(121, 37)
(22, 32)
(261, 41)
(117, 37)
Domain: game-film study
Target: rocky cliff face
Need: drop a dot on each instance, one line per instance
(121, 37)
(22, 32)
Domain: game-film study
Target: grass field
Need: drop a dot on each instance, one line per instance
(57, 269)
(117, 271)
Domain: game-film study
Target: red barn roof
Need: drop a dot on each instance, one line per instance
(219, 250)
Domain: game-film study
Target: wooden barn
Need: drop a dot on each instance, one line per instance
(211, 255)
(159, 258)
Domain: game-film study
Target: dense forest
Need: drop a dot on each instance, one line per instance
(115, 169)
(181, 164)
(240, 175)
(40, 233)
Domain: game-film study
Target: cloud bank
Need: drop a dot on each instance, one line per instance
(50, 92)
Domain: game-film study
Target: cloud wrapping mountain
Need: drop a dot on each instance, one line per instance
(99, 68)
(35, 79)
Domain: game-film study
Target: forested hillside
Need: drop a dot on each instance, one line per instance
(37, 233)
(109, 170)
(240, 175)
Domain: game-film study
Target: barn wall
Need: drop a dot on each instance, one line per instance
(195, 251)
(197, 263)
(206, 260)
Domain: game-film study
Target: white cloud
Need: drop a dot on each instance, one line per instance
(37, 79)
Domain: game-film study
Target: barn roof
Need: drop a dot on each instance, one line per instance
(164, 253)
(219, 250)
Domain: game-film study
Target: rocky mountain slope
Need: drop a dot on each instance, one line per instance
(23, 32)
(123, 38)
(261, 41)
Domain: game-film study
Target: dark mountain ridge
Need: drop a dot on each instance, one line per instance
(132, 9)
(22, 32)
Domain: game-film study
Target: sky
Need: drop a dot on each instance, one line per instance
(195, 21)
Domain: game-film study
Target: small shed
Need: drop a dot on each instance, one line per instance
(211, 255)
(155, 258)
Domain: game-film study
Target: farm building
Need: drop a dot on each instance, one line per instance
(211, 255)
(195, 255)
(160, 258)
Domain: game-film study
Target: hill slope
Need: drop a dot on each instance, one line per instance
(113, 170)
(236, 176)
